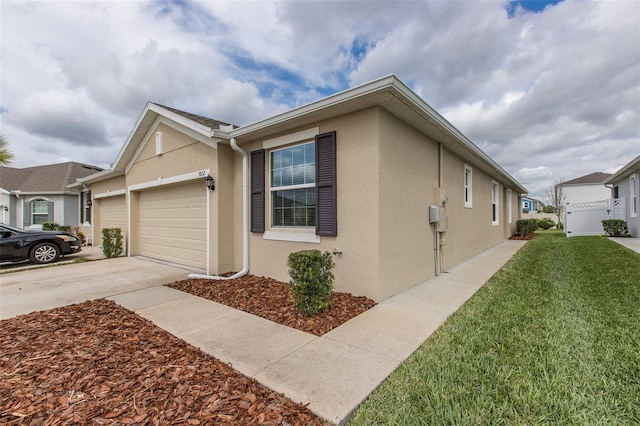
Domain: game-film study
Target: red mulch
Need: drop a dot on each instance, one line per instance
(271, 299)
(530, 236)
(98, 363)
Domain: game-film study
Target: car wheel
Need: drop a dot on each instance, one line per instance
(45, 253)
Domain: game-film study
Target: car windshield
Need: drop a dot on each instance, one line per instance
(11, 228)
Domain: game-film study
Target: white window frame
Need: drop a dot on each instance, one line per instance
(495, 203)
(276, 230)
(468, 187)
(633, 195)
(509, 212)
(33, 213)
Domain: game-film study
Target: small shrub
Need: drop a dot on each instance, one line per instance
(48, 226)
(615, 227)
(64, 228)
(546, 223)
(311, 280)
(526, 226)
(111, 242)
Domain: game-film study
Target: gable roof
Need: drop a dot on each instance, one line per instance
(51, 178)
(387, 92)
(631, 167)
(591, 178)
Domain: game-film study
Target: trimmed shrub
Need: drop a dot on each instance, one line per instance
(111, 242)
(65, 228)
(526, 226)
(615, 227)
(311, 280)
(546, 223)
(48, 226)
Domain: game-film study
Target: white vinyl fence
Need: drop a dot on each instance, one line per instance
(586, 218)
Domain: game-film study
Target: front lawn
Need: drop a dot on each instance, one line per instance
(552, 338)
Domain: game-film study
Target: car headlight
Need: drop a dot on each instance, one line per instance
(67, 238)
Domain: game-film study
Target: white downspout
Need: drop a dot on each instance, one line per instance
(245, 219)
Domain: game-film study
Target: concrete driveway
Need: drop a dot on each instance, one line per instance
(26, 291)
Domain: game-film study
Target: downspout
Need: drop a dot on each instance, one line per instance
(245, 220)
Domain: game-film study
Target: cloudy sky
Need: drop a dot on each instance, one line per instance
(547, 89)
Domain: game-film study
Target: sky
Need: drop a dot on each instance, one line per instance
(549, 89)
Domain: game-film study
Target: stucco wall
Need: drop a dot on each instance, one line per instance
(357, 269)
(586, 193)
(408, 176)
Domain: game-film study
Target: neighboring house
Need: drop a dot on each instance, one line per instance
(354, 174)
(32, 196)
(531, 205)
(626, 184)
(586, 188)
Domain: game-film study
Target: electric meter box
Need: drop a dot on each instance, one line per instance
(434, 214)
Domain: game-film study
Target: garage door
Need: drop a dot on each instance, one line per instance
(113, 215)
(173, 225)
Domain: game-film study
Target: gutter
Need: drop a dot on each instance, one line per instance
(245, 220)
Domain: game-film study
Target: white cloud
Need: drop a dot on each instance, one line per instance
(546, 94)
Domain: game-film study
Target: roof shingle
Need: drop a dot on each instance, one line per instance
(49, 178)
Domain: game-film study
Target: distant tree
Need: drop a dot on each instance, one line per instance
(5, 155)
(556, 199)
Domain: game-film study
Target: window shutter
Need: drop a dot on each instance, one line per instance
(257, 191)
(50, 218)
(26, 213)
(326, 206)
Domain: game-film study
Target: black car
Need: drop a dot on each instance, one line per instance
(38, 246)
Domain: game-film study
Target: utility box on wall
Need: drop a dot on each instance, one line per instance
(434, 214)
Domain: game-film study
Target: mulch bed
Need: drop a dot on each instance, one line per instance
(530, 236)
(271, 299)
(97, 363)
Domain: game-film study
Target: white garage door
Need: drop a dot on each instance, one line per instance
(173, 225)
(112, 215)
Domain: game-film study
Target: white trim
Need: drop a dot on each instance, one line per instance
(291, 138)
(159, 145)
(633, 195)
(468, 203)
(509, 209)
(36, 198)
(495, 199)
(200, 174)
(110, 194)
(208, 231)
(298, 237)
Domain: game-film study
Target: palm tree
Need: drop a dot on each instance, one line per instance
(5, 155)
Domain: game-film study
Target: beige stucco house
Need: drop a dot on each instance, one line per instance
(354, 174)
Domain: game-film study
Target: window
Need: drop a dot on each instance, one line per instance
(39, 212)
(495, 196)
(508, 201)
(293, 186)
(616, 192)
(633, 195)
(302, 188)
(468, 190)
(85, 207)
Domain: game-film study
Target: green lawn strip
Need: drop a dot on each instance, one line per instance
(552, 338)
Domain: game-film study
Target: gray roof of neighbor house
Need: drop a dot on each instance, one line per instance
(41, 179)
(591, 178)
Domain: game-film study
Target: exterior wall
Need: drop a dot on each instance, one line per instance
(585, 193)
(106, 186)
(71, 211)
(408, 176)
(624, 191)
(357, 268)
(470, 230)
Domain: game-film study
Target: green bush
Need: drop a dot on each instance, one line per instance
(615, 227)
(111, 242)
(47, 226)
(526, 226)
(546, 223)
(311, 280)
(65, 228)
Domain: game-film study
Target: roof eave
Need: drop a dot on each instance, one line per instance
(627, 168)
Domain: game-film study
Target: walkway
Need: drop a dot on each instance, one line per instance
(630, 243)
(333, 373)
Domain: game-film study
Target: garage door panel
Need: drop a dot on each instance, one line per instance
(172, 225)
(113, 214)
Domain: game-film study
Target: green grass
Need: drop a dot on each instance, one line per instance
(553, 338)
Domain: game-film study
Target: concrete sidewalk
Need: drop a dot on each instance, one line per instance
(630, 243)
(333, 373)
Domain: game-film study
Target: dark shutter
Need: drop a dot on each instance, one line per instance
(50, 217)
(26, 213)
(257, 191)
(326, 207)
